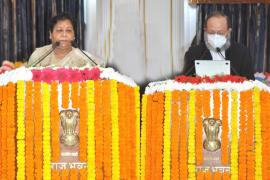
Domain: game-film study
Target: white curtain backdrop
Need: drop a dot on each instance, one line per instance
(143, 39)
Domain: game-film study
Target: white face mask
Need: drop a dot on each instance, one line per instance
(216, 40)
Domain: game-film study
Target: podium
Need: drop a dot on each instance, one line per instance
(69, 124)
(85, 124)
(198, 128)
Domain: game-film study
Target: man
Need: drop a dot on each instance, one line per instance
(217, 46)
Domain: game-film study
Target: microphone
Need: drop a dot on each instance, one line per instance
(56, 44)
(89, 58)
(233, 69)
(219, 52)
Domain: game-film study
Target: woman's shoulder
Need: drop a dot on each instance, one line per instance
(43, 48)
(88, 58)
(38, 52)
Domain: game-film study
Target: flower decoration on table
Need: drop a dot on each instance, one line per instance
(263, 77)
(62, 74)
(207, 79)
(66, 74)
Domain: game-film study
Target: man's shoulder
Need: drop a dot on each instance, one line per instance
(196, 50)
(236, 45)
(197, 47)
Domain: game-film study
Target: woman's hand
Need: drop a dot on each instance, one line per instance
(6, 66)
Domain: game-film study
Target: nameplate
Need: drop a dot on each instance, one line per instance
(69, 154)
(61, 166)
(221, 169)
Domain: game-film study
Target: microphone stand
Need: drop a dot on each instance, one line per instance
(89, 58)
(56, 44)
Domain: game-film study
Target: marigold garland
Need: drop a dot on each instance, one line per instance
(133, 136)
(183, 168)
(206, 103)
(11, 132)
(199, 128)
(148, 132)
(65, 95)
(225, 129)
(1, 131)
(123, 134)
(137, 125)
(55, 122)
(55, 174)
(226, 176)
(98, 130)
(208, 175)
(258, 135)
(200, 175)
(143, 137)
(20, 130)
(115, 132)
(107, 128)
(75, 94)
(46, 131)
(217, 175)
(154, 135)
(242, 173)
(29, 132)
(157, 133)
(175, 136)
(250, 137)
(216, 100)
(267, 136)
(167, 137)
(191, 136)
(83, 174)
(91, 171)
(38, 130)
(234, 136)
(264, 129)
(73, 173)
(83, 105)
(65, 174)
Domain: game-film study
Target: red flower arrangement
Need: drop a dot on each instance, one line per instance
(207, 79)
(62, 75)
(66, 74)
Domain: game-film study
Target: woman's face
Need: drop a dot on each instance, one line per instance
(63, 33)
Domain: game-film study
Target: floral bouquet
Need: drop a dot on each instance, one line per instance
(263, 77)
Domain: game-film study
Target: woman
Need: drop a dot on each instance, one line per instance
(60, 53)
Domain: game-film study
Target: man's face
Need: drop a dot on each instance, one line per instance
(217, 25)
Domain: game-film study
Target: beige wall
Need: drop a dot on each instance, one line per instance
(143, 39)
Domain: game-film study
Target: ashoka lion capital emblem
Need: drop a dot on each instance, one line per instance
(69, 120)
(211, 129)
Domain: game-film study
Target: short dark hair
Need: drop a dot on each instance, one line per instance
(218, 14)
(61, 17)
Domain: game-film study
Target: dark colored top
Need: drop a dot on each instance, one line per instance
(241, 61)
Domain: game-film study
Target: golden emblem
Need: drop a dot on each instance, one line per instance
(69, 120)
(211, 129)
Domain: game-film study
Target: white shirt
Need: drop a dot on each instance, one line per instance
(217, 56)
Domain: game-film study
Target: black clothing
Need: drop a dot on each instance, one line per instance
(241, 62)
